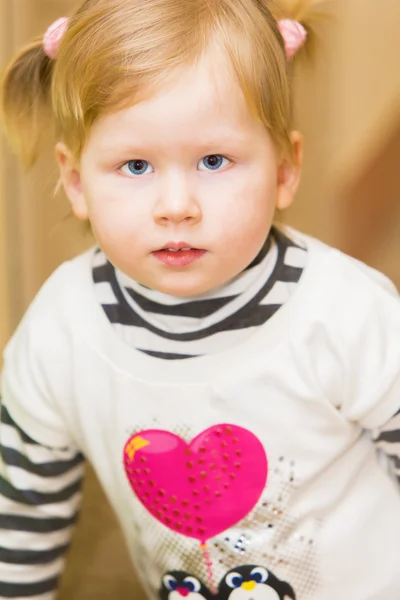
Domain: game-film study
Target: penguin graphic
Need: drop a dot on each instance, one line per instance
(177, 585)
(250, 582)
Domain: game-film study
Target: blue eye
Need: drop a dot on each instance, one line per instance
(212, 162)
(234, 580)
(137, 167)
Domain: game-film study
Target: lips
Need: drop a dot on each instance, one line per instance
(180, 249)
(178, 254)
(177, 247)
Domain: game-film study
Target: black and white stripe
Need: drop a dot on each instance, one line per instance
(175, 328)
(40, 493)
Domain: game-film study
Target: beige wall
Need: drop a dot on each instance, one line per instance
(347, 107)
(5, 256)
(367, 133)
(5, 325)
(5, 319)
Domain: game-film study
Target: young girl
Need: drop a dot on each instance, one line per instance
(226, 378)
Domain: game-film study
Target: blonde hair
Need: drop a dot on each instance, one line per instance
(115, 50)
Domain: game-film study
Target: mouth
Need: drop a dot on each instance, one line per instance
(178, 254)
(179, 250)
(177, 247)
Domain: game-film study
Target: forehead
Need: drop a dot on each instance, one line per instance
(202, 102)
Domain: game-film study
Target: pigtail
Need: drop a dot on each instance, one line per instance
(25, 100)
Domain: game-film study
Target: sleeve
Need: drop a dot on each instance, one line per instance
(40, 492)
(354, 342)
(41, 468)
(36, 376)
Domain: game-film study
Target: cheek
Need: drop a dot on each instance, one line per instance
(112, 215)
(107, 223)
(249, 204)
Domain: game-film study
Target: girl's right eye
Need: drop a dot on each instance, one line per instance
(137, 167)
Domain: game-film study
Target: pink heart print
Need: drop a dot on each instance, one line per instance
(199, 489)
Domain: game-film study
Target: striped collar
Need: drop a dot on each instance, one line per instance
(171, 328)
(179, 315)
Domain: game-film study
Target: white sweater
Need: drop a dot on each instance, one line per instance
(263, 450)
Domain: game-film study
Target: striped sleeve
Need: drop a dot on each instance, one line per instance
(387, 439)
(40, 492)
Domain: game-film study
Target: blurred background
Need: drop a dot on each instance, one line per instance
(347, 106)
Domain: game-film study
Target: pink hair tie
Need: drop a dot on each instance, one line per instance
(53, 37)
(294, 35)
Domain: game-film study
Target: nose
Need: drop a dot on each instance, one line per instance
(177, 202)
(249, 585)
(183, 591)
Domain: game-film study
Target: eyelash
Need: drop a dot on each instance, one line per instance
(148, 164)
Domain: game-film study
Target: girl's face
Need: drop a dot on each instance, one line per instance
(190, 167)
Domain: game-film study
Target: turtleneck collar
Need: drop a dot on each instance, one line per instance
(181, 315)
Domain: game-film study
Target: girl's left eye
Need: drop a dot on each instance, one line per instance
(137, 167)
(212, 162)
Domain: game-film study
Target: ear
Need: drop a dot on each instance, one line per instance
(289, 173)
(71, 180)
